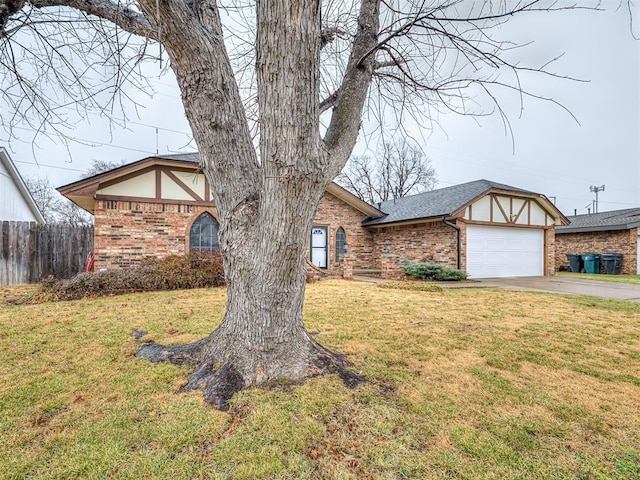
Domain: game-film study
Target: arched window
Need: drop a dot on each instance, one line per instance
(341, 244)
(204, 234)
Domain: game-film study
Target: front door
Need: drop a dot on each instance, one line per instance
(319, 243)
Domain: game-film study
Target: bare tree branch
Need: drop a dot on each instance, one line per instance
(343, 129)
(399, 168)
(117, 13)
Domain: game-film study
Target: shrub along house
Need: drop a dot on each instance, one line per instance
(162, 205)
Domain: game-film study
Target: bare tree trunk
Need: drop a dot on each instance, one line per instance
(261, 336)
(266, 207)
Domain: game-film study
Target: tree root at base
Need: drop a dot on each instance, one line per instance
(220, 381)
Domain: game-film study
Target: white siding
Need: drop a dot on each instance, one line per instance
(13, 205)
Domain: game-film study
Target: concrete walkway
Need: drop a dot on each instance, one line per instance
(558, 284)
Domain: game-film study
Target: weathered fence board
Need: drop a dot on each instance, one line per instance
(30, 252)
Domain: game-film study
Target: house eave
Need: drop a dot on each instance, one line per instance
(598, 228)
(357, 203)
(412, 221)
(83, 192)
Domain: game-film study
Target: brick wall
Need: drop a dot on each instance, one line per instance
(126, 232)
(615, 241)
(434, 241)
(334, 213)
(550, 250)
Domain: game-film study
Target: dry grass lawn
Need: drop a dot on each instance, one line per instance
(633, 279)
(462, 384)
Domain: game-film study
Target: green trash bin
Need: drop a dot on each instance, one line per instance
(591, 263)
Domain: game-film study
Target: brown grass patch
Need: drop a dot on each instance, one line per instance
(464, 383)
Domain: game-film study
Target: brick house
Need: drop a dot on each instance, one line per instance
(606, 232)
(162, 205)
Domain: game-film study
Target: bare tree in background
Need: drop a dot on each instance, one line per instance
(398, 169)
(54, 207)
(100, 166)
(57, 209)
(279, 72)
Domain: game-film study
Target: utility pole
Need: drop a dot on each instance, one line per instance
(595, 189)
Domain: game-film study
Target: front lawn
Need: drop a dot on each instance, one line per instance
(462, 384)
(633, 279)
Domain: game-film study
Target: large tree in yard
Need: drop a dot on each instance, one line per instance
(272, 132)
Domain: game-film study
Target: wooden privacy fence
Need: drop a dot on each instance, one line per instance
(30, 252)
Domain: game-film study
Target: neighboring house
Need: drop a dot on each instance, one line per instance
(604, 232)
(16, 203)
(162, 205)
(484, 228)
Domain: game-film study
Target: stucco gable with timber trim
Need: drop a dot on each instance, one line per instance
(506, 208)
(167, 178)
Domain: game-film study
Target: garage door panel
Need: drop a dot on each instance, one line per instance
(504, 252)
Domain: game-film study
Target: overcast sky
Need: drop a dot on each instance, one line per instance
(553, 154)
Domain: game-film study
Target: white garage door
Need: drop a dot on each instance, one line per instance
(504, 252)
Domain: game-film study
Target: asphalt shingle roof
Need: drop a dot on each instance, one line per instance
(613, 220)
(184, 157)
(436, 203)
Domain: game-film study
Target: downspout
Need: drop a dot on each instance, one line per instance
(459, 241)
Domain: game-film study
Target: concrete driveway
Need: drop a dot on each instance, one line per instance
(594, 288)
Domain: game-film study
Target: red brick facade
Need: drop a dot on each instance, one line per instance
(126, 232)
(614, 241)
(335, 213)
(550, 251)
(147, 209)
(433, 240)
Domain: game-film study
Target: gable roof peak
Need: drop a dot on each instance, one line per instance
(443, 201)
(18, 181)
